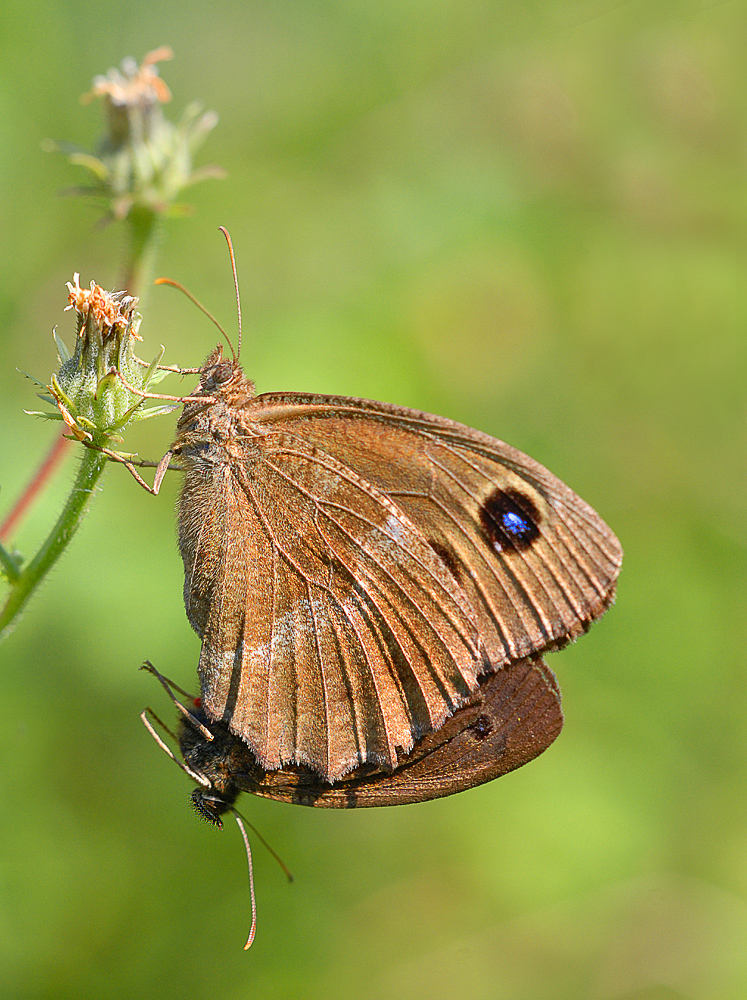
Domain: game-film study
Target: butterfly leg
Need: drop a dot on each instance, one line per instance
(167, 685)
(194, 775)
(157, 395)
(161, 468)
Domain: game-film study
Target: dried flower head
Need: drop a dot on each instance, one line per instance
(132, 98)
(93, 388)
(144, 160)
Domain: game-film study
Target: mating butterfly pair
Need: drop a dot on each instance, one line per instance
(374, 588)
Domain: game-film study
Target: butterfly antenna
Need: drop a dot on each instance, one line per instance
(253, 928)
(200, 306)
(286, 871)
(235, 285)
(172, 685)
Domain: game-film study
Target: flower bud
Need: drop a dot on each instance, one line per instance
(144, 160)
(93, 390)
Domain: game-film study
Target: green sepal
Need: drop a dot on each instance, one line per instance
(42, 385)
(91, 163)
(151, 370)
(62, 348)
(159, 376)
(44, 413)
(156, 411)
(58, 393)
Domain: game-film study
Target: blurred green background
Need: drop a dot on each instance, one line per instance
(526, 216)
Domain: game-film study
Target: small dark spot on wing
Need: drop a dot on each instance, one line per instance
(510, 520)
(446, 556)
(482, 727)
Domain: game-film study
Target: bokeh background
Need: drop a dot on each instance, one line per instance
(530, 217)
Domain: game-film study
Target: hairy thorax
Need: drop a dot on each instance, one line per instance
(215, 435)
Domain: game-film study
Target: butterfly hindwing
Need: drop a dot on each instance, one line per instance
(511, 718)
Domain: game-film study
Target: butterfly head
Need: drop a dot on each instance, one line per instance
(224, 377)
(217, 762)
(211, 806)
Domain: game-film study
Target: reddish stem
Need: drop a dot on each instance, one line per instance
(43, 474)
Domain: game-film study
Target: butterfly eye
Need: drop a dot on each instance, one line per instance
(222, 372)
(219, 374)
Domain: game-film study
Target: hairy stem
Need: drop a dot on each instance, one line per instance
(91, 467)
(143, 243)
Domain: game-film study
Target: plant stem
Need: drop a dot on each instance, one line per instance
(42, 476)
(91, 467)
(143, 242)
(9, 564)
(144, 230)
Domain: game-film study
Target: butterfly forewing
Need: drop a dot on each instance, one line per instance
(332, 633)
(536, 563)
(353, 568)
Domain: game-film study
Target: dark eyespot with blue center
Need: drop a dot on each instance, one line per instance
(514, 523)
(510, 520)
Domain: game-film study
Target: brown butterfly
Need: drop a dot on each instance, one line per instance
(512, 717)
(357, 570)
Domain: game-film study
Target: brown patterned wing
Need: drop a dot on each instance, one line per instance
(353, 568)
(512, 718)
(536, 563)
(333, 635)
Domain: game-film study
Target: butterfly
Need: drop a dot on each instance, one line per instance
(374, 588)
(358, 571)
(512, 717)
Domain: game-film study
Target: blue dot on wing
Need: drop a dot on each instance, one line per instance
(510, 520)
(514, 523)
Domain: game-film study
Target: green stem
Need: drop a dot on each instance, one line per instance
(10, 566)
(144, 227)
(91, 467)
(144, 230)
